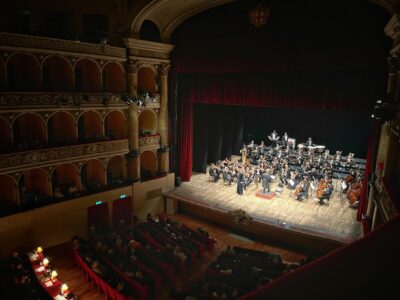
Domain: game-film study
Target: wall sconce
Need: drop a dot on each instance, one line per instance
(45, 262)
(54, 275)
(64, 289)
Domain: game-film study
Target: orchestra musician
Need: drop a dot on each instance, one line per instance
(294, 167)
(301, 190)
(325, 189)
(354, 193)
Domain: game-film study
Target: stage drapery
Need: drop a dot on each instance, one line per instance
(328, 90)
(220, 130)
(363, 202)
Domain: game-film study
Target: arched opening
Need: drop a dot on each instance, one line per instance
(34, 188)
(93, 177)
(29, 131)
(3, 81)
(113, 78)
(8, 195)
(90, 127)
(61, 129)
(57, 74)
(65, 181)
(116, 171)
(87, 76)
(149, 32)
(147, 80)
(147, 122)
(148, 165)
(116, 125)
(6, 144)
(23, 73)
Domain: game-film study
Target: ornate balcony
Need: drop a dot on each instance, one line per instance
(149, 142)
(15, 41)
(13, 162)
(34, 100)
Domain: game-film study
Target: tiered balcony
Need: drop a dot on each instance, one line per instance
(149, 142)
(31, 100)
(18, 161)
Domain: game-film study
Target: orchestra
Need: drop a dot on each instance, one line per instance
(297, 170)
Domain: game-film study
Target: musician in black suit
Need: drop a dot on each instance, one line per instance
(239, 188)
(266, 179)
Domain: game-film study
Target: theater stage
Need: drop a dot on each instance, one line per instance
(333, 221)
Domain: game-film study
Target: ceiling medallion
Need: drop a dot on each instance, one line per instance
(259, 15)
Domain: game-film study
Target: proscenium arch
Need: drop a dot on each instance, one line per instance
(183, 11)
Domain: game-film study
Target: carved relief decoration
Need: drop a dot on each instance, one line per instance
(36, 42)
(38, 157)
(163, 69)
(132, 66)
(58, 100)
(151, 142)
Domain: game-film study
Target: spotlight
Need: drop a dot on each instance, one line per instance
(384, 111)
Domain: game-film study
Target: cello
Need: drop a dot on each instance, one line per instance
(354, 193)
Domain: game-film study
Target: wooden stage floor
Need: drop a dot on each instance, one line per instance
(333, 220)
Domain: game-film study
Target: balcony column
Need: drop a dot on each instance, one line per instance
(163, 153)
(132, 68)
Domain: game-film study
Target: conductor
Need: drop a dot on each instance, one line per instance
(266, 179)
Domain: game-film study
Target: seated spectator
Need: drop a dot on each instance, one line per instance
(57, 193)
(178, 253)
(73, 191)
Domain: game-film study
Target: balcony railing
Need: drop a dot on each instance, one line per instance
(44, 43)
(149, 142)
(50, 156)
(57, 99)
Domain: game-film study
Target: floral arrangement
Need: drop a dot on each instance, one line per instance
(240, 217)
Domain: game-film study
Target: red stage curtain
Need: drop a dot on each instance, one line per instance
(98, 216)
(122, 210)
(325, 90)
(363, 202)
(186, 139)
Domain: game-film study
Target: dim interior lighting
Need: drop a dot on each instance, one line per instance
(45, 262)
(54, 274)
(64, 288)
(39, 249)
